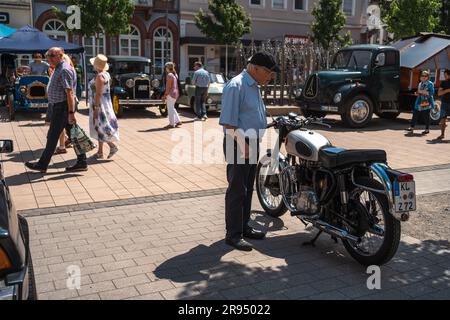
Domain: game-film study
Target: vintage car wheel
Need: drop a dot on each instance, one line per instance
(358, 112)
(388, 115)
(118, 109)
(11, 109)
(435, 113)
(163, 110)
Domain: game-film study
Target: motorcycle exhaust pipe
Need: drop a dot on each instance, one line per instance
(334, 231)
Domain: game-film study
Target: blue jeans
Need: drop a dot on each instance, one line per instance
(79, 91)
(200, 97)
(59, 121)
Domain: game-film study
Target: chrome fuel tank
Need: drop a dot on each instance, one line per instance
(306, 144)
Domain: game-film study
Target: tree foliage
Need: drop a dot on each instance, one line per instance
(227, 24)
(329, 23)
(101, 16)
(409, 17)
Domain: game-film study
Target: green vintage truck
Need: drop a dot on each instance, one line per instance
(368, 79)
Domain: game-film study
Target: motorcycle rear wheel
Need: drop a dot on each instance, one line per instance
(392, 230)
(272, 204)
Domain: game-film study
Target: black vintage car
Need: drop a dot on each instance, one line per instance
(16, 267)
(133, 85)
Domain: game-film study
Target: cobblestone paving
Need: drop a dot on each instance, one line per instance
(174, 250)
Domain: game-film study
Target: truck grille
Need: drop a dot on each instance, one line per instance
(37, 91)
(142, 89)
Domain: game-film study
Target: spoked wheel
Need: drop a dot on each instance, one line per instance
(378, 229)
(268, 190)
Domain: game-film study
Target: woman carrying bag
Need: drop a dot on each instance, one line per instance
(103, 125)
(424, 102)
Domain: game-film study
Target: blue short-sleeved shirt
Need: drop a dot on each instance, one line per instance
(243, 106)
(201, 78)
(64, 77)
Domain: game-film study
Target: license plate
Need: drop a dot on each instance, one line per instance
(39, 105)
(405, 196)
(143, 88)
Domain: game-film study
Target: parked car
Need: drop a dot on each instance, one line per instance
(364, 80)
(16, 267)
(214, 98)
(28, 93)
(133, 85)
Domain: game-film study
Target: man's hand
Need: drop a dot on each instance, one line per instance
(72, 119)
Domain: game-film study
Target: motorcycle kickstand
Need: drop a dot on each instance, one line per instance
(313, 241)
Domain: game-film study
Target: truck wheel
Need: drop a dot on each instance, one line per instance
(163, 110)
(315, 114)
(358, 112)
(388, 115)
(118, 109)
(11, 109)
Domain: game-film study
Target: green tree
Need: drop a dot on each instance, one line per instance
(328, 25)
(101, 16)
(444, 25)
(227, 24)
(409, 17)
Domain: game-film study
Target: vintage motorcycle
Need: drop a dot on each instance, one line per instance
(353, 195)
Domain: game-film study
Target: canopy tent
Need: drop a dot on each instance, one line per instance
(6, 31)
(30, 40)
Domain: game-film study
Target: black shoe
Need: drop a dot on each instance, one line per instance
(426, 132)
(251, 233)
(77, 168)
(35, 167)
(239, 244)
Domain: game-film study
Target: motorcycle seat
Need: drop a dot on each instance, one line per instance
(336, 157)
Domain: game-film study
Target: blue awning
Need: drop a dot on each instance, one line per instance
(6, 31)
(30, 40)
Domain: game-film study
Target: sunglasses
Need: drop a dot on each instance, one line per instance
(51, 55)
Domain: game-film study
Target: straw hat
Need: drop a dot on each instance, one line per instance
(100, 62)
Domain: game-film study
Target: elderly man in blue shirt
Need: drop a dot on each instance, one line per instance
(201, 80)
(244, 120)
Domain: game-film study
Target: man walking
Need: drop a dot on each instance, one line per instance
(62, 105)
(201, 81)
(243, 117)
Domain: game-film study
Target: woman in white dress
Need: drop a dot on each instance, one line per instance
(171, 95)
(103, 125)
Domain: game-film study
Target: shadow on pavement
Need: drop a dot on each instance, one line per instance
(419, 270)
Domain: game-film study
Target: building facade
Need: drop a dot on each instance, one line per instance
(15, 13)
(154, 31)
(271, 20)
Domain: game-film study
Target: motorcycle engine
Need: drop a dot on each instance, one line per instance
(307, 201)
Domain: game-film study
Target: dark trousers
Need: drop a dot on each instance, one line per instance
(241, 176)
(425, 114)
(200, 97)
(58, 122)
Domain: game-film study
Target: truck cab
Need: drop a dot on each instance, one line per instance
(363, 80)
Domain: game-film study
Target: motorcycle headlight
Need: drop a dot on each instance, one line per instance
(298, 92)
(337, 97)
(130, 83)
(23, 89)
(209, 101)
(155, 83)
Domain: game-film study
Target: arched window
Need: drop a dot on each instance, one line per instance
(162, 48)
(93, 46)
(130, 44)
(55, 29)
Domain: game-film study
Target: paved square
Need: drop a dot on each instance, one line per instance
(174, 250)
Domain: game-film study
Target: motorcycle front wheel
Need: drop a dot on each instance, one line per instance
(380, 243)
(268, 190)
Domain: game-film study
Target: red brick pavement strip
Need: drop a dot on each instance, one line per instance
(142, 167)
(205, 268)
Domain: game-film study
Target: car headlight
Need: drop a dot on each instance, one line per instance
(23, 89)
(298, 92)
(337, 97)
(4, 260)
(155, 83)
(130, 83)
(209, 101)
